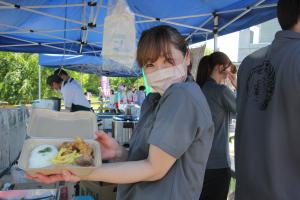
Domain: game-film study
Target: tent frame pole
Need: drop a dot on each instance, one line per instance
(81, 77)
(50, 36)
(83, 31)
(92, 20)
(41, 13)
(40, 82)
(202, 25)
(241, 15)
(44, 6)
(173, 23)
(46, 31)
(216, 31)
(152, 19)
(43, 34)
(30, 42)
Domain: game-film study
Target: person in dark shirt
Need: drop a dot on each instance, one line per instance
(213, 70)
(267, 138)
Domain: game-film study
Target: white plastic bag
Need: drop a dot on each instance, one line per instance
(119, 37)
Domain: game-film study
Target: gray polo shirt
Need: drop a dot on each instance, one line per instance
(268, 122)
(222, 102)
(182, 128)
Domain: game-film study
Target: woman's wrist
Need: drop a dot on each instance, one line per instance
(119, 152)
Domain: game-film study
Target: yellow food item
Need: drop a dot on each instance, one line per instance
(63, 158)
(77, 152)
(83, 147)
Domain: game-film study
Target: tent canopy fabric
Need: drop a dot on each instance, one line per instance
(76, 27)
(86, 64)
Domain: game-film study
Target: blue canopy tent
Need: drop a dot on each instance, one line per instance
(76, 27)
(86, 64)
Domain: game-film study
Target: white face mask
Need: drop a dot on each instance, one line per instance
(162, 79)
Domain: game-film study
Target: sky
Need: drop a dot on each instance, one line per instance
(228, 44)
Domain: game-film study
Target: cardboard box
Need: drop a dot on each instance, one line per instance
(98, 190)
(54, 128)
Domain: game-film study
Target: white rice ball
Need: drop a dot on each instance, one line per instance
(42, 155)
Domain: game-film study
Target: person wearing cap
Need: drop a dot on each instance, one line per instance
(73, 96)
(65, 77)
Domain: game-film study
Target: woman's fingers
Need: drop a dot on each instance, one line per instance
(109, 146)
(48, 179)
(232, 79)
(69, 177)
(101, 136)
(29, 177)
(100, 133)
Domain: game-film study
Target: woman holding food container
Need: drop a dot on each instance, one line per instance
(172, 141)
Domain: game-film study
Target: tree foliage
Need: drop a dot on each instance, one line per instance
(19, 79)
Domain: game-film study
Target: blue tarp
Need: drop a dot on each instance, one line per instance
(60, 26)
(86, 64)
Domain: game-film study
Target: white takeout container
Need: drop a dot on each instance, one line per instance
(54, 128)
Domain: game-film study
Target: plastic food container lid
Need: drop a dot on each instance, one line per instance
(45, 123)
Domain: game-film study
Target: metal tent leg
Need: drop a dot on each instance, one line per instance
(40, 82)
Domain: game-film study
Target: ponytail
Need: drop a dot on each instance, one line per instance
(207, 65)
(204, 70)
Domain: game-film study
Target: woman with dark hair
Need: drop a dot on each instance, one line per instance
(212, 72)
(171, 143)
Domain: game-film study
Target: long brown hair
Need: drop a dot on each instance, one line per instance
(156, 41)
(207, 65)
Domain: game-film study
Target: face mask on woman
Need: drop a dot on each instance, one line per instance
(163, 78)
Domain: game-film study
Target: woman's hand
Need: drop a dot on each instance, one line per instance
(232, 78)
(64, 176)
(110, 149)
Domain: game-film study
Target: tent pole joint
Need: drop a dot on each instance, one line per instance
(84, 28)
(216, 23)
(216, 31)
(92, 3)
(92, 25)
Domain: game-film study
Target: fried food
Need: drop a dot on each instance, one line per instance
(77, 152)
(83, 147)
(84, 160)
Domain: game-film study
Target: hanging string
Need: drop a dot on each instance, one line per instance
(65, 28)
